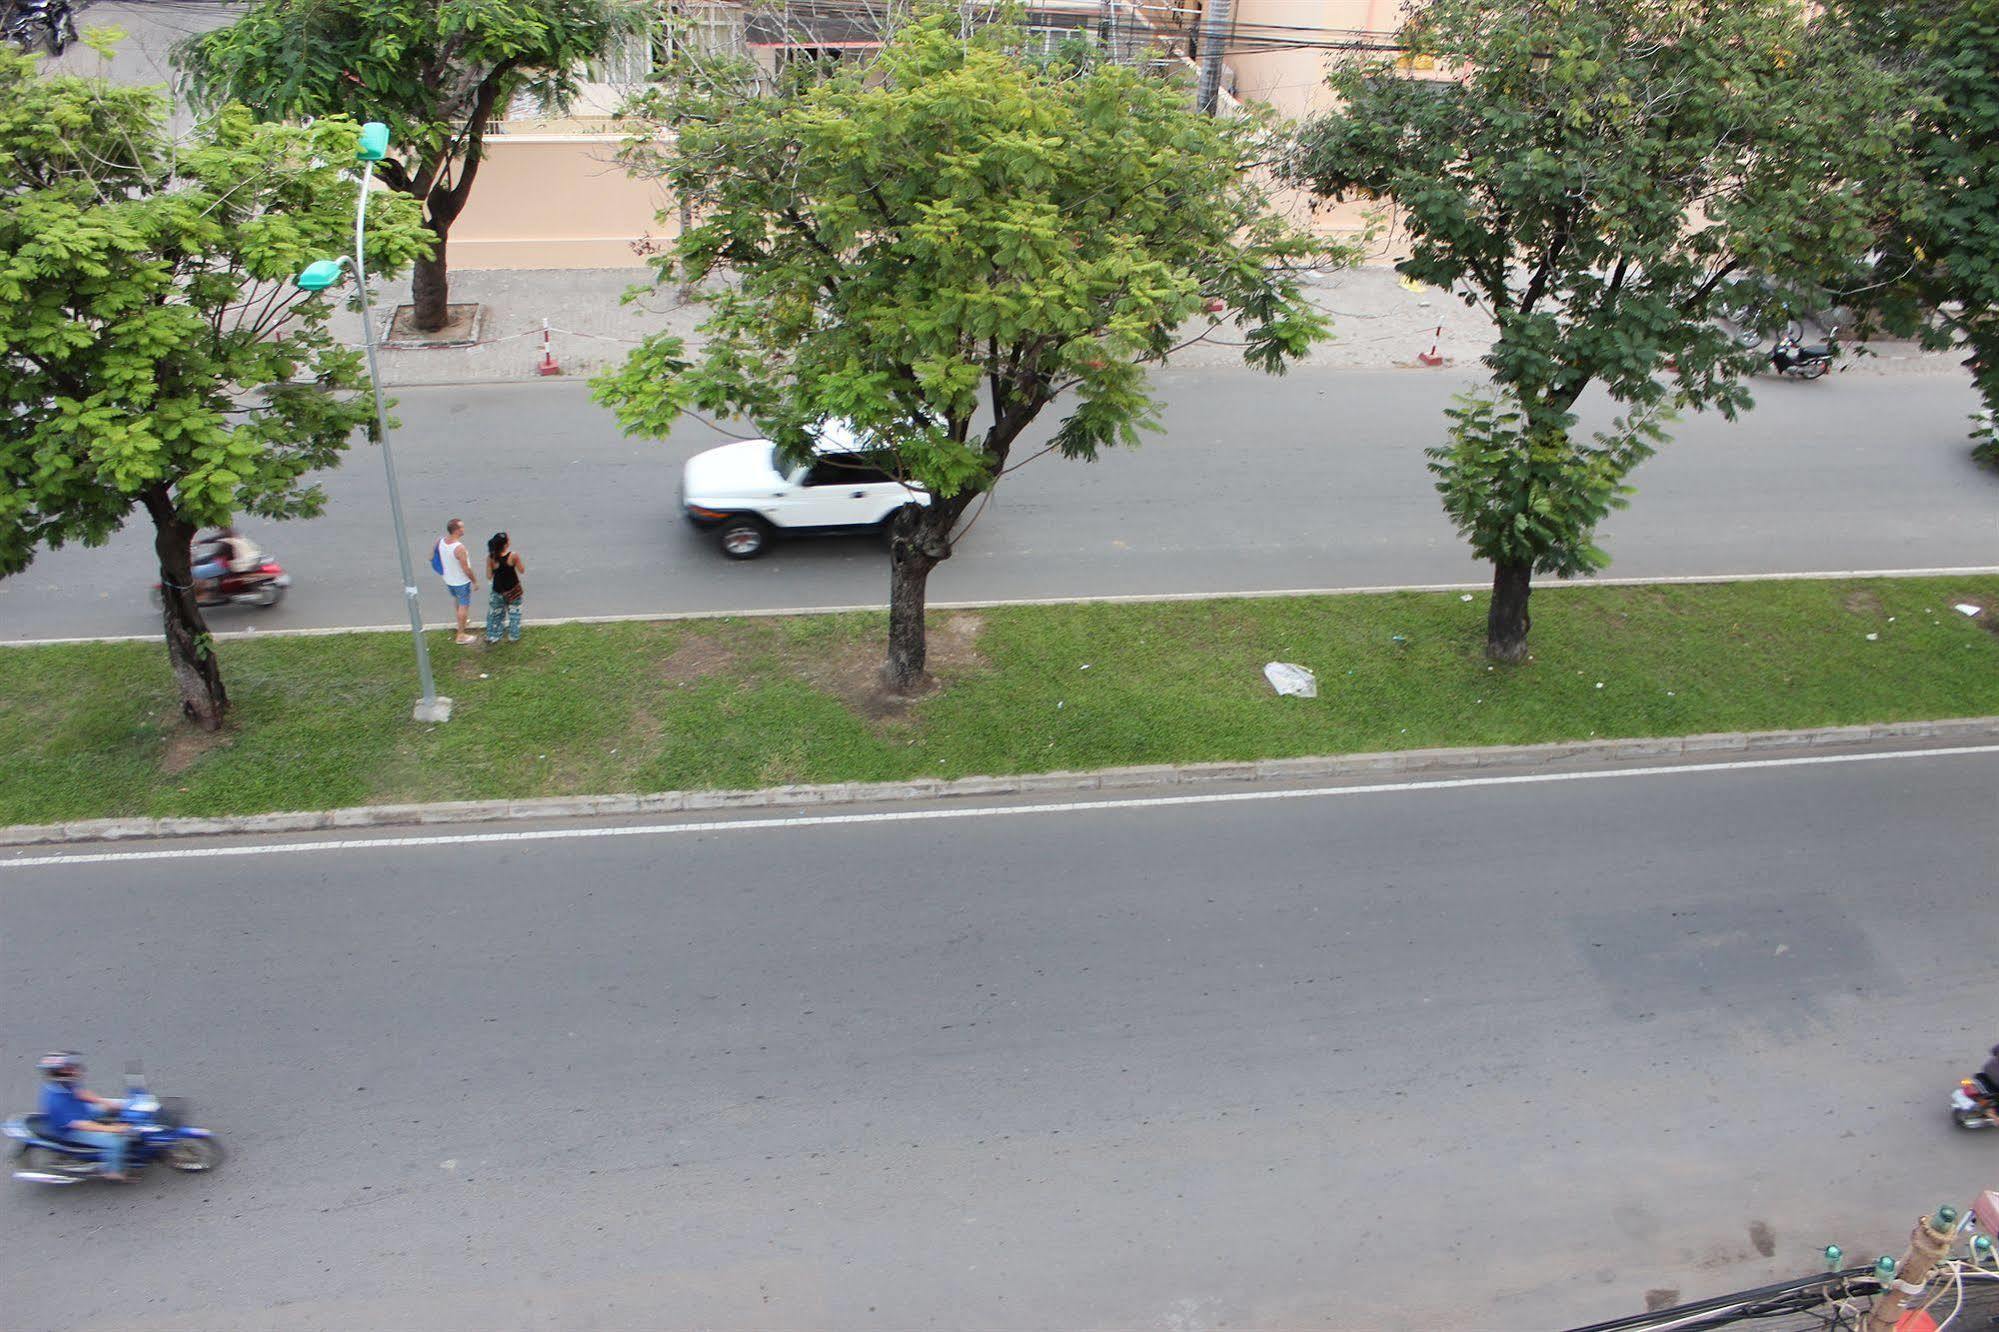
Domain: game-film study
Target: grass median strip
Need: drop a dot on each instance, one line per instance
(92, 730)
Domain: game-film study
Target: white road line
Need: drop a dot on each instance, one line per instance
(1113, 599)
(977, 812)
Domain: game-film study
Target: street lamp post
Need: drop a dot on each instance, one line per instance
(318, 277)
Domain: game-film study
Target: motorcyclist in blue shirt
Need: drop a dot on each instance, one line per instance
(70, 1108)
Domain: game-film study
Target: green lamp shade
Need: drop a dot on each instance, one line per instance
(320, 275)
(374, 142)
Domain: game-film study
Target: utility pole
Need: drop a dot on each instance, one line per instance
(318, 276)
(1928, 1243)
(1214, 36)
(1107, 31)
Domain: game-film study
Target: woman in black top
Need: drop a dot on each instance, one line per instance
(503, 604)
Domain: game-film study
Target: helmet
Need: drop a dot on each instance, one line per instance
(58, 1066)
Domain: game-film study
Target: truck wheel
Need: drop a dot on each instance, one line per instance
(744, 538)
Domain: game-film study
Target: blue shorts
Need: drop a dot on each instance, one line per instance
(460, 593)
(210, 569)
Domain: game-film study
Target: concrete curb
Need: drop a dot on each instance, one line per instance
(1554, 587)
(1038, 783)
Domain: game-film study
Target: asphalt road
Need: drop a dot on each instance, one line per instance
(1313, 480)
(1484, 1056)
(150, 29)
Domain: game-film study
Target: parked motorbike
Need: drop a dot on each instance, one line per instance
(1975, 1103)
(159, 1133)
(1792, 358)
(263, 584)
(40, 25)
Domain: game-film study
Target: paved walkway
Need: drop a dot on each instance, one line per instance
(1379, 321)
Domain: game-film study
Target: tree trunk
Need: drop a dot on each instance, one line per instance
(430, 287)
(190, 651)
(1507, 622)
(917, 545)
(920, 537)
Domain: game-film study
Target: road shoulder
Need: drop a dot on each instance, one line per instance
(1896, 737)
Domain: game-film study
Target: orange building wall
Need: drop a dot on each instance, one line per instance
(557, 201)
(1294, 82)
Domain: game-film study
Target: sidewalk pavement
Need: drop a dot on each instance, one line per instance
(1379, 323)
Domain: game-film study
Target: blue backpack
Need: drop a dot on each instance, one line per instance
(437, 557)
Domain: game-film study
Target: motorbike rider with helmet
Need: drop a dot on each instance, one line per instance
(68, 1108)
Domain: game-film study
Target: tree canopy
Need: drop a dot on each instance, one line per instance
(157, 355)
(437, 72)
(938, 247)
(1937, 250)
(1602, 177)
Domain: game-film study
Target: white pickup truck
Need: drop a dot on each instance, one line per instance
(746, 495)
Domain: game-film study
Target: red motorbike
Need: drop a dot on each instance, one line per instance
(261, 584)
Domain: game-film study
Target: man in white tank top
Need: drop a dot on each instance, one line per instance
(459, 579)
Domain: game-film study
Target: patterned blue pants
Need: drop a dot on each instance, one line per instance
(501, 611)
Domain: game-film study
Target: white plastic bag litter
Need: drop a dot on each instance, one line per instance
(1295, 681)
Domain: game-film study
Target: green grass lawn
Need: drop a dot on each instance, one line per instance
(318, 722)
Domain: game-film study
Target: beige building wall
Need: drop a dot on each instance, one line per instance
(562, 201)
(558, 200)
(1294, 82)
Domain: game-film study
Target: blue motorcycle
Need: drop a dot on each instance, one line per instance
(159, 1133)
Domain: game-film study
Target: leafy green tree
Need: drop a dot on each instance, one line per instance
(436, 71)
(1602, 177)
(688, 77)
(1936, 261)
(940, 247)
(156, 355)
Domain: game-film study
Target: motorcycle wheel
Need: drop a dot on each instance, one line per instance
(63, 35)
(1814, 369)
(193, 1155)
(46, 1162)
(270, 595)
